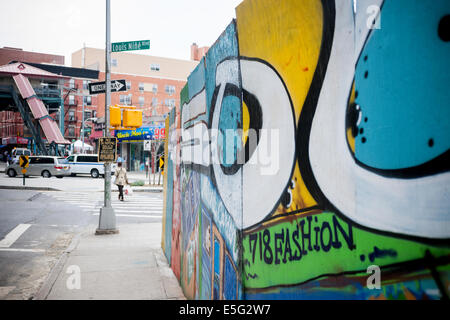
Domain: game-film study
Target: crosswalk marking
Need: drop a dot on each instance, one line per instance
(139, 206)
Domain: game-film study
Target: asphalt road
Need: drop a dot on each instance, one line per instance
(37, 226)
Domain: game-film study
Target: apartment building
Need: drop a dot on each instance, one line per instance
(153, 86)
(153, 83)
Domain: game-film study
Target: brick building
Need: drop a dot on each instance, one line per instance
(8, 54)
(153, 86)
(197, 53)
(153, 83)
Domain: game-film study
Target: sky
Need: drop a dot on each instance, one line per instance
(62, 27)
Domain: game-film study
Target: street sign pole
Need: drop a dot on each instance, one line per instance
(82, 127)
(107, 220)
(24, 162)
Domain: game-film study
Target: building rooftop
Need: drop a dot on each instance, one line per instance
(134, 64)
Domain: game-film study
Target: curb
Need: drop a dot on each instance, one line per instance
(29, 188)
(142, 190)
(53, 189)
(47, 286)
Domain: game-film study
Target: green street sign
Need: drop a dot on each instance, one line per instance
(130, 45)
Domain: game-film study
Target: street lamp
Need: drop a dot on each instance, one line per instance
(82, 126)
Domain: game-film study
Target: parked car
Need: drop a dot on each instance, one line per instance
(45, 166)
(87, 164)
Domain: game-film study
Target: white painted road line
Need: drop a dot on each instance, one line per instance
(133, 215)
(21, 250)
(14, 235)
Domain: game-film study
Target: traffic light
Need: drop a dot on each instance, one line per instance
(132, 118)
(115, 118)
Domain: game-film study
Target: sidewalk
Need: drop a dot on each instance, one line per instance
(126, 266)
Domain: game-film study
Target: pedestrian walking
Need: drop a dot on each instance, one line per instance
(121, 179)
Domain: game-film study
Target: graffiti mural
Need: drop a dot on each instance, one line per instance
(311, 144)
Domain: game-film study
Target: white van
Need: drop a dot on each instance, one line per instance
(87, 164)
(17, 152)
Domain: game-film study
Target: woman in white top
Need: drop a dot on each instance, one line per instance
(121, 179)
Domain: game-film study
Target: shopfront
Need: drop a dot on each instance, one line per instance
(131, 145)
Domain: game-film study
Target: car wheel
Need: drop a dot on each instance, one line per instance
(73, 174)
(94, 173)
(12, 173)
(46, 174)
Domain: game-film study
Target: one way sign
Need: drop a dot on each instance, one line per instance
(100, 87)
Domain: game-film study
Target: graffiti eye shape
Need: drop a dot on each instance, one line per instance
(353, 120)
(255, 120)
(286, 199)
(444, 28)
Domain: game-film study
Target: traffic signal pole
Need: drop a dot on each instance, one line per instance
(107, 219)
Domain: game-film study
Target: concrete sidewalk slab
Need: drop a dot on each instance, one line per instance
(124, 266)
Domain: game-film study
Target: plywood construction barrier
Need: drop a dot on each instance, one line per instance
(309, 157)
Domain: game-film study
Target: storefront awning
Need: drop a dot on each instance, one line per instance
(14, 140)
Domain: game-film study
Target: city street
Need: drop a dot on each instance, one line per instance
(36, 226)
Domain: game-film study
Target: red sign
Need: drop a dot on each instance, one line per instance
(14, 140)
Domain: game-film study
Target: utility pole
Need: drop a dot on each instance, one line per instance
(107, 220)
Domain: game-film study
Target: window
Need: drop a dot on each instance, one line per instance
(71, 131)
(154, 102)
(141, 101)
(71, 158)
(87, 159)
(43, 160)
(125, 99)
(71, 100)
(170, 89)
(141, 86)
(33, 159)
(85, 84)
(169, 102)
(87, 114)
(114, 62)
(128, 85)
(71, 115)
(72, 83)
(155, 88)
(87, 100)
(62, 161)
(154, 67)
